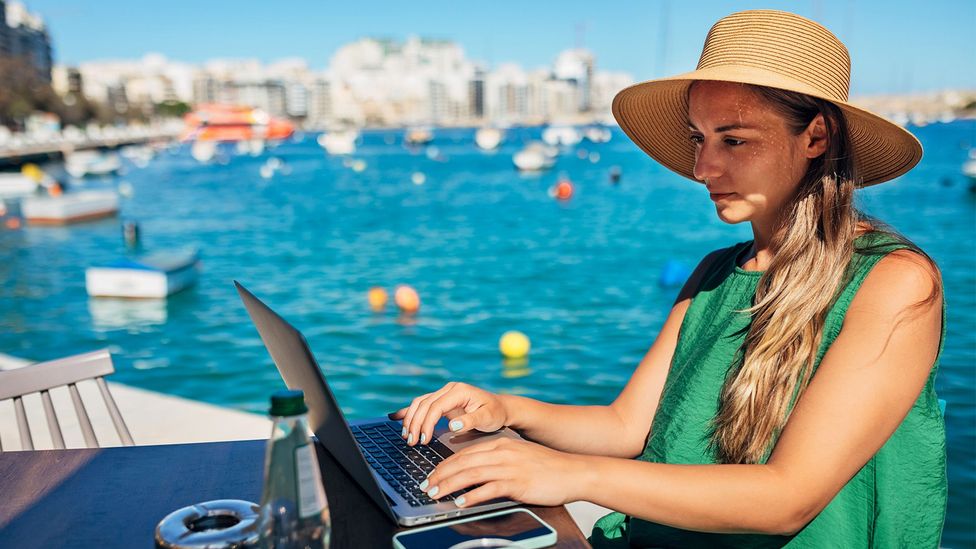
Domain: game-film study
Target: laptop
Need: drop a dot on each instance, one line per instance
(371, 451)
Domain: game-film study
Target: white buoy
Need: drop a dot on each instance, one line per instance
(418, 178)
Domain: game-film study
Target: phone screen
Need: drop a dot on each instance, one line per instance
(513, 526)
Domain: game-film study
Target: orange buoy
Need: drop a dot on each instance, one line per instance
(377, 298)
(564, 189)
(13, 223)
(406, 299)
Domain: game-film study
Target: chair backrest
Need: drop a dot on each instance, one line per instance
(44, 376)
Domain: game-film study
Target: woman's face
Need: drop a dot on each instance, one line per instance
(745, 154)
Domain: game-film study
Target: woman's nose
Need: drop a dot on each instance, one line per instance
(708, 165)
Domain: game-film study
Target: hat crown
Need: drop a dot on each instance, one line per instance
(782, 43)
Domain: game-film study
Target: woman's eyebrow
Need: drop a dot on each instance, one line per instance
(726, 127)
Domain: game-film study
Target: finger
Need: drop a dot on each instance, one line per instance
(476, 419)
(467, 478)
(417, 413)
(454, 399)
(398, 414)
(466, 459)
(410, 412)
(487, 492)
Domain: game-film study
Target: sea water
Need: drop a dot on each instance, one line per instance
(487, 249)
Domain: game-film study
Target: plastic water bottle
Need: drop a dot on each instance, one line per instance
(294, 511)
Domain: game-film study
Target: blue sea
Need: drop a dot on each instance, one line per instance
(487, 249)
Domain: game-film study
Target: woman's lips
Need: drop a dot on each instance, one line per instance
(719, 196)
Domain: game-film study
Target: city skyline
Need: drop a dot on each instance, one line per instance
(892, 45)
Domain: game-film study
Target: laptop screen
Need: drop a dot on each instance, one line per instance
(290, 352)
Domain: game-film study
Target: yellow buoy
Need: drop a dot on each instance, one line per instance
(377, 298)
(407, 299)
(514, 344)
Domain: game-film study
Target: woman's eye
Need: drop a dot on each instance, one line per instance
(696, 139)
(733, 142)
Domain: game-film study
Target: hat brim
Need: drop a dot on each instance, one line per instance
(654, 115)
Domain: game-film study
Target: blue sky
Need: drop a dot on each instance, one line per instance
(896, 46)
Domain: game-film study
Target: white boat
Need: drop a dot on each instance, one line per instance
(156, 275)
(203, 151)
(140, 155)
(69, 207)
(126, 314)
(534, 157)
(597, 134)
(489, 138)
(339, 142)
(16, 185)
(418, 136)
(565, 136)
(969, 166)
(84, 163)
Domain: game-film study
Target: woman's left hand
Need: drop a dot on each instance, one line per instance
(507, 468)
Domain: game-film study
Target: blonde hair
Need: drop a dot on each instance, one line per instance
(813, 250)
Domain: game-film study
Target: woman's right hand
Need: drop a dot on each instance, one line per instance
(468, 408)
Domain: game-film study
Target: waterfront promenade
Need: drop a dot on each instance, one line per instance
(20, 150)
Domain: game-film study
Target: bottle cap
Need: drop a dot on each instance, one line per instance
(288, 403)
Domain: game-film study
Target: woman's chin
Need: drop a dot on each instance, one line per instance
(730, 216)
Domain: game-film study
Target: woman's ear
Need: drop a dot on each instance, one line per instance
(816, 137)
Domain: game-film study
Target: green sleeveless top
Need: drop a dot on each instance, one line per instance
(897, 499)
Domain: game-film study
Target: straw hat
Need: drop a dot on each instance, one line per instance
(767, 48)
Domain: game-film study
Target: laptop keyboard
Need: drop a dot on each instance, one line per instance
(403, 467)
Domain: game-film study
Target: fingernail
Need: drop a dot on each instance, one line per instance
(423, 485)
(403, 433)
(459, 501)
(433, 491)
(456, 425)
(410, 438)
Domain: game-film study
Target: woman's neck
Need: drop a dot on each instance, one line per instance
(761, 253)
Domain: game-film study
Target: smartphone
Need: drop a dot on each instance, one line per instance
(509, 528)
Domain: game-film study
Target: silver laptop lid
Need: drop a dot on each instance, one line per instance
(292, 356)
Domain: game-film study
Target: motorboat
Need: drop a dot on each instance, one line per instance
(203, 151)
(340, 141)
(84, 163)
(488, 138)
(561, 136)
(420, 135)
(597, 134)
(16, 185)
(156, 275)
(73, 207)
(233, 123)
(535, 156)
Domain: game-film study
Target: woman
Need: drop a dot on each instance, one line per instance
(788, 399)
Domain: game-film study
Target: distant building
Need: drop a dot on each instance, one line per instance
(66, 80)
(23, 34)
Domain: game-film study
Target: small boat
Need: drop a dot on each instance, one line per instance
(85, 163)
(16, 185)
(565, 136)
(418, 136)
(140, 155)
(203, 151)
(597, 134)
(339, 142)
(489, 138)
(69, 207)
(534, 157)
(969, 167)
(155, 275)
(232, 123)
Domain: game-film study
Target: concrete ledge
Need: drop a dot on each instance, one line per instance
(152, 418)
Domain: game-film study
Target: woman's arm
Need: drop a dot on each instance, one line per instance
(620, 429)
(865, 386)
